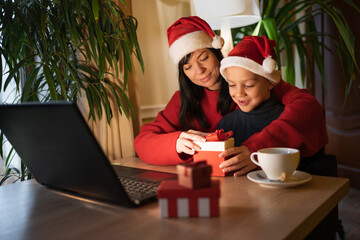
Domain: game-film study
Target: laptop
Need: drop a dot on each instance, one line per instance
(56, 144)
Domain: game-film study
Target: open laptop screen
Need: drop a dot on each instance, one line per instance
(57, 146)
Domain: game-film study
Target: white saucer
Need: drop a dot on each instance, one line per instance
(297, 178)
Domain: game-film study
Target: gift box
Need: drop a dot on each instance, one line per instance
(176, 201)
(194, 174)
(216, 143)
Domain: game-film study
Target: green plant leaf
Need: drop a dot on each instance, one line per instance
(133, 25)
(270, 7)
(9, 158)
(257, 28)
(15, 71)
(89, 97)
(60, 81)
(2, 144)
(29, 84)
(343, 29)
(352, 5)
(106, 104)
(302, 53)
(116, 66)
(96, 99)
(317, 52)
(127, 61)
(109, 59)
(309, 16)
(95, 8)
(347, 66)
(6, 177)
(43, 16)
(51, 83)
(117, 99)
(1, 70)
(270, 28)
(289, 59)
(287, 13)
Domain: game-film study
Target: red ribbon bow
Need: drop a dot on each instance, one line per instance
(219, 135)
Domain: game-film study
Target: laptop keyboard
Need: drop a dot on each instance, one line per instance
(139, 189)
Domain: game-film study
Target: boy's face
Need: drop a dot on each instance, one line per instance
(246, 88)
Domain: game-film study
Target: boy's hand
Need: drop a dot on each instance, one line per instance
(240, 161)
(184, 143)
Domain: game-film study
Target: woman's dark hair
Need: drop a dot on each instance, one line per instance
(192, 95)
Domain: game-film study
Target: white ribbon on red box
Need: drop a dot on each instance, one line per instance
(185, 207)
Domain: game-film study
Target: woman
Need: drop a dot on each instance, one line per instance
(204, 99)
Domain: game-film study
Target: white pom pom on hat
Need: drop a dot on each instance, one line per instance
(255, 54)
(189, 34)
(269, 64)
(218, 42)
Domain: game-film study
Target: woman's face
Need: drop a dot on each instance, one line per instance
(203, 69)
(246, 88)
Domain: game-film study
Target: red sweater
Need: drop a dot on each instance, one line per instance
(301, 125)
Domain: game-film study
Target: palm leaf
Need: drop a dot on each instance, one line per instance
(289, 59)
(343, 29)
(2, 144)
(29, 84)
(1, 69)
(302, 53)
(3, 180)
(317, 52)
(95, 9)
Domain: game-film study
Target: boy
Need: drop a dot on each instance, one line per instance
(250, 72)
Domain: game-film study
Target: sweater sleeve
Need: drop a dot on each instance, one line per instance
(156, 142)
(301, 125)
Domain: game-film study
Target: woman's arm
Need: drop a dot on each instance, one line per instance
(301, 125)
(156, 142)
(162, 143)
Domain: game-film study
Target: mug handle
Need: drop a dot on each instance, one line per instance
(252, 157)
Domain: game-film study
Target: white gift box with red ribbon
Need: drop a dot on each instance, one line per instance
(215, 144)
(176, 201)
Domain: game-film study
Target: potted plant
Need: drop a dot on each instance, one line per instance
(59, 50)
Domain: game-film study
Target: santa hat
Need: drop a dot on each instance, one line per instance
(255, 54)
(189, 34)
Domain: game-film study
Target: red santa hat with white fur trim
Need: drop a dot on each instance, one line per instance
(189, 34)
(255, 54)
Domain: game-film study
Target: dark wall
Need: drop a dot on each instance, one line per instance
(342, 118)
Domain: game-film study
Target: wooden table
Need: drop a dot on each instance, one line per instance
(247, 211)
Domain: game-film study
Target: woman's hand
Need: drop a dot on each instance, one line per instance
(185, 144)
(239, 162)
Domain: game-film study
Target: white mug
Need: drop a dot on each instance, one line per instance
(277, 163)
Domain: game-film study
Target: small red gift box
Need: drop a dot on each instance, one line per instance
(194, 174)
(176, 201)
(216, 143)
